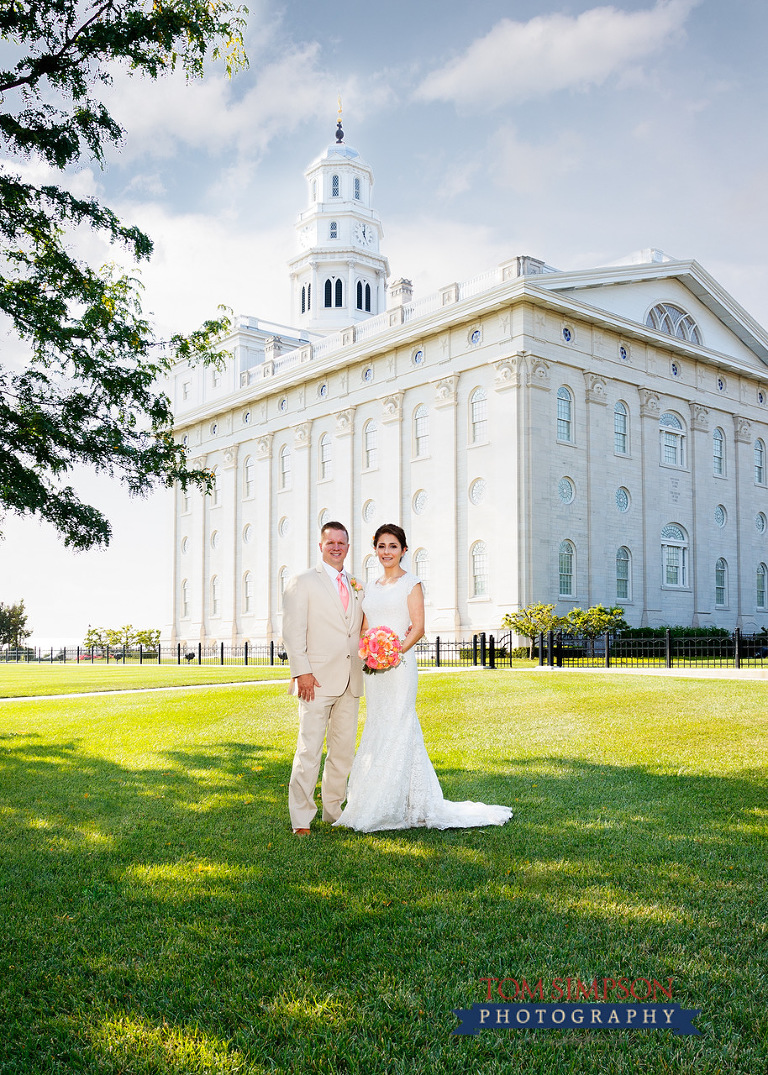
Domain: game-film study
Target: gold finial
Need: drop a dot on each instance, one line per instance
(339, 131)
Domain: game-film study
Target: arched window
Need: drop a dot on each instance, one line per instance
(328, 293)
(309, 296)
(370, 570)
(285, 467)
(333, 232)
(303, 298)
(325, 457)
(564, 414)
(674, 556)
(249, 476)
(282, 582)
(621, 429)
(334, 186)
(566, 558)
(339, 294)
(367, 298)
(478, 416)
(672, 432)
(215, 491)
(762, 575)
(186, 502)
(721, 583)
(184, 598)
(623, 574)
(357, 187)
(359, 295)
(675, 322)
(248, 591)
(421, 431)
(718, 452)
(370, 444)
(479, 558)
(759, 462)
(314, 190)
(215, 595)
(421, 568)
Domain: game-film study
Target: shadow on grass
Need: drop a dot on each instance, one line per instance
(135, 901)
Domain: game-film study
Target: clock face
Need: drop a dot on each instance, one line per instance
(364, 234)
(305, 237)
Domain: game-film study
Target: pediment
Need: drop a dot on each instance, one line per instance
(630, 292)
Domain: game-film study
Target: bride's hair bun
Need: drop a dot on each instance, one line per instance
(393, 529)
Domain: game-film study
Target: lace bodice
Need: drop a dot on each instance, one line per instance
(388, 605)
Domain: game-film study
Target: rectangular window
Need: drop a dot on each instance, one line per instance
(671, 449)
(675, 565)
(622, 580)
(566, 574)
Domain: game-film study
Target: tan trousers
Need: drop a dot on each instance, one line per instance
(335, 718)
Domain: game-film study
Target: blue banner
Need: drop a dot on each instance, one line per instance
(637, 1016)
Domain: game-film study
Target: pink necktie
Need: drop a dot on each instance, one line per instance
(343, 591)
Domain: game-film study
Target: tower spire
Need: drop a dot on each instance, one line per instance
(339, 131)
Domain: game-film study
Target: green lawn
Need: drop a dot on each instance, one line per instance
(22, 680)
(158, 916)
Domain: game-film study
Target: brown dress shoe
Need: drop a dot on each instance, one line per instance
(301, 832)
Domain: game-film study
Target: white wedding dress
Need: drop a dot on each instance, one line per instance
(393, 784)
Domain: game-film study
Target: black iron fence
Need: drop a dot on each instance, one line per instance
(553, 649)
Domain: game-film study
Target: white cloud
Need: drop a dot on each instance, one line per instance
(519, 60)
(216, 114)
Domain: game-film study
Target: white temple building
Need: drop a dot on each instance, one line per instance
(575, 438)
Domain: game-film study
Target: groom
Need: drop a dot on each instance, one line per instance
(321, 632)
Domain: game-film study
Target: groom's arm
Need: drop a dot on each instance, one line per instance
(295, 616)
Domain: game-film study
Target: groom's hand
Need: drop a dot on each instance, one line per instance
(305, 687)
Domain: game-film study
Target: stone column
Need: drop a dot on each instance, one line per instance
(597, 550)
(231, 496)
(698, 453)
(744, 479)
(448, 605)
(264, 538)
(650, 569)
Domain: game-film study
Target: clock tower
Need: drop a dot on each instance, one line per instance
(339, 276)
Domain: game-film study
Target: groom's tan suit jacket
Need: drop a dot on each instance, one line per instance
(319, 636)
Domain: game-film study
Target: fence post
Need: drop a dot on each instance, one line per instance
(222, 653)
(199, 652)
(178, 653)
(551, 649)
(559, 649)
(159, 652)
(541, 649)
(437, 651)
(607, 650)
(482, 649)
(272, 651)
(491, 652)
(245, 653)
(474, 650)
(141, 653)
(668, 648)
(737, 648)
(78, 655)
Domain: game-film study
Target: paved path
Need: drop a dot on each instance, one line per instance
(147, 690)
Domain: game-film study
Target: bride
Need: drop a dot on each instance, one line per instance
(393, 784)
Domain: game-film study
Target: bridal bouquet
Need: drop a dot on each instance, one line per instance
(380, 649)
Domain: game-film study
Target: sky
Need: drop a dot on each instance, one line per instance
(571, 131)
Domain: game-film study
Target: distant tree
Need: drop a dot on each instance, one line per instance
(13, 625)
(531, 620)
(149, 639)
(121, 638)
(592, 622)
(89, 394)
